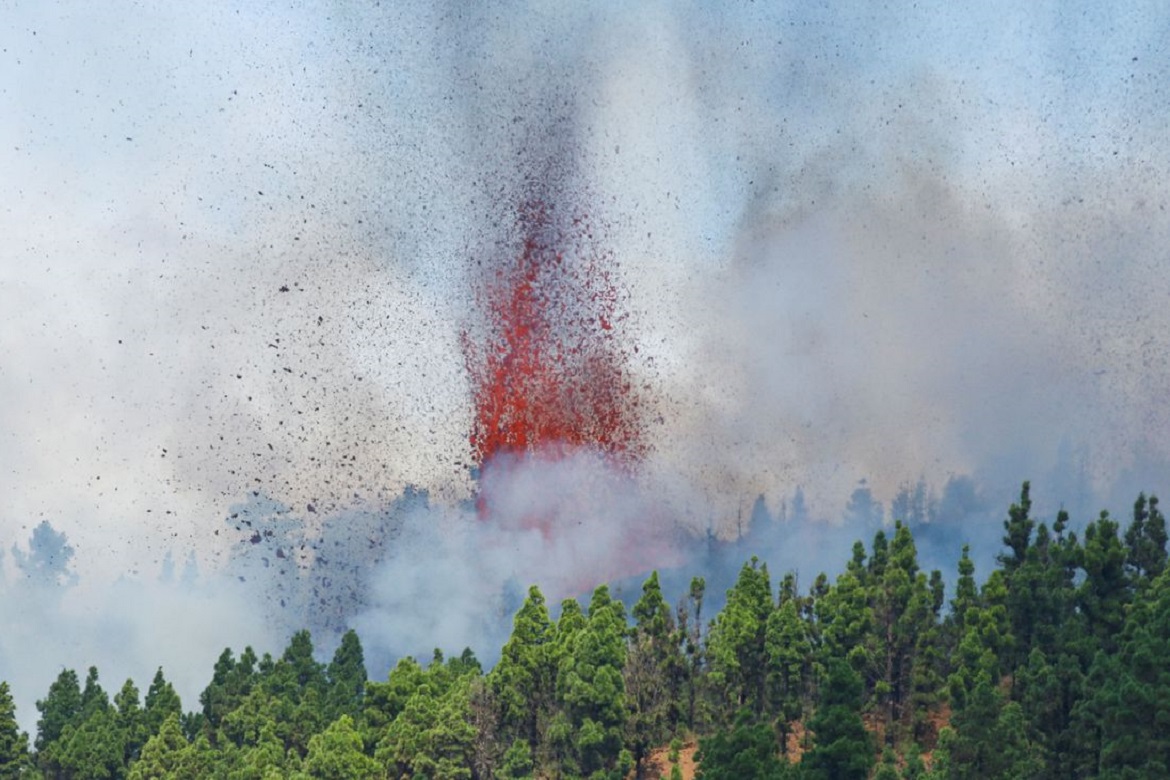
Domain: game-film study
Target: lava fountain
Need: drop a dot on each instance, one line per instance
(551, 374)
(549, 362)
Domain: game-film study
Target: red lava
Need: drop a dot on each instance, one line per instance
(549, 373)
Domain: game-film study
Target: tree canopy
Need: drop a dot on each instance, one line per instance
(1055, 665)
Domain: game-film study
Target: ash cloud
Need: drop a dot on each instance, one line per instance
(899, 267)
(859, 243)
(129, 627)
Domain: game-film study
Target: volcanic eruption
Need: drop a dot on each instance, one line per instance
(550, 359)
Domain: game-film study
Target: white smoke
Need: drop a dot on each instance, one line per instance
(455, 576)
(127, 628)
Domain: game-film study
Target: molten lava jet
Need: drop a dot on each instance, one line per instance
(550, 374)
(557, 434)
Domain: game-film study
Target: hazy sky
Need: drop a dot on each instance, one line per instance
(861, 241)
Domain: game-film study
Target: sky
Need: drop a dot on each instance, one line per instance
(861, 241)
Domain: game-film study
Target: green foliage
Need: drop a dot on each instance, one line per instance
(966, 592)
(14, 755)
(1054, 668)
(517, 762)
(1103, 595)
(653, 674)
(384, 701)
(651, 612)
(747, 750)
(131, 719)
(523, 679)
(346, 676)
(888, 768)
(915, 767)
(432, 736)
(297, 672)
(337, 754)
(95, 749)
(59, 709)
(907, 642)
(591, 688)
(1018, 531)
(61, 713)
(989, 740)
(262, 758)
(169, 755)
(789, 661)
(846, 623)
(986, 640)
(690, 626)
(1130, 691)
(1145, 542)
(842, 750)
(421, 721)
(230, 683)
(161, 703)
(93, 696)
(736, 645)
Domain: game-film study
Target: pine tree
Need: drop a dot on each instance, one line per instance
(653, 673)
(736, 644)
(1047, 692)
(161, 702)
(591, 688)
(966, 593)
(96, 749)
(14, 756)
(904, 617)
(1132, 689)
(789, 652)
(845, 621)
(989, 740)
(231, 682)
(1018, 531)
(297, 672)
(986, 640)
(216, 699)
(346, 675)
(60, 711)
(1145, 542)
(690, 626)
(888, 768)
(162, 753)
(93, 696)
(517, 763)
(432, 736)
(523, 679)
(928, 660)
(337, 752)
(130, 719)
(746, 750)
(45, 568)
(1105, 592)
(842, 750)
(384, 700)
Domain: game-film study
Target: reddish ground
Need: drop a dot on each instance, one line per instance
(657, 764)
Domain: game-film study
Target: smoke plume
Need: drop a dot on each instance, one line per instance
(870, 263)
